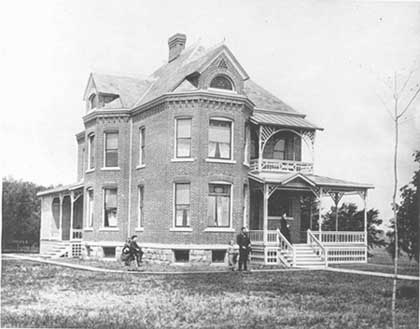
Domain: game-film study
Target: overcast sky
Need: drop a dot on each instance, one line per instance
(328, 59)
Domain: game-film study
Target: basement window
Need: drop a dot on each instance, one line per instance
(218, 256)
(109, 252)
(182, 256)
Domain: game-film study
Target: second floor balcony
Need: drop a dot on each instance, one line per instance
(275, 165)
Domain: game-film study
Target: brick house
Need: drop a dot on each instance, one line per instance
(187, 157)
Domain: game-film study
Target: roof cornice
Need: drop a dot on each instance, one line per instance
(259, 109)
(194, 95)
(105, 113)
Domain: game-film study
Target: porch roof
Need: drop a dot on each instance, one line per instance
(285, 179)
(282, 119)
(59, 189)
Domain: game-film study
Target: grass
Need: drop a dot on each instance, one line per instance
(43, 295)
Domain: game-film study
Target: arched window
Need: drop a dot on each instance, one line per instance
(221, 82)
(93, 101)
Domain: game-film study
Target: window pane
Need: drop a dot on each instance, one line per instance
(90, 211)
(182, 194)
(111, 158)
(183, 128)
(111, 198)
(111, 141)
(280, 145)
(221, 82)
(211, 211)
(183, 148)
(182, 216)
(91, 151)
(219, 131)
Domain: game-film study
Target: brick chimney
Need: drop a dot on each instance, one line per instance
(176, 45)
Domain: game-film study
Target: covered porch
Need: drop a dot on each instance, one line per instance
(299, 199)
(61, 221)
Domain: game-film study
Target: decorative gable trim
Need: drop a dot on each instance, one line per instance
(297, 177)
(226, 52)
(90, 88)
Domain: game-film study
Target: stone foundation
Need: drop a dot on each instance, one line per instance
(164, 255)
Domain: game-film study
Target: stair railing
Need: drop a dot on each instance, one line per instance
(317, 246)
(284, 244)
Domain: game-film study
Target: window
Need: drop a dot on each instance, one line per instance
(182, 256)
(111, 149)
(183, 138)
(182, 205)
(244, 205)
(246, 144)
(140, 217)
(221, 82)
(109, 252)
(279, 149)
(219, 205)
(220, 139)
(55, 209)
(218, 256)
(93, 102)
(142, 144)
(90, 208)
(91, 151)
(110, 207)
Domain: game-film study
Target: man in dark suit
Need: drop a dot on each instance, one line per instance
(135, 251)
(244, 244)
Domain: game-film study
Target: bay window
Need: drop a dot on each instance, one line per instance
(182, 205)
(220, 139)
(183, 138)
(110, 207)
(111, 149)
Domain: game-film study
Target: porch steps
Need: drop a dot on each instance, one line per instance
(307, 257)
(55, 249)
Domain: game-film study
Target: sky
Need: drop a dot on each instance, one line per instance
(332, 60)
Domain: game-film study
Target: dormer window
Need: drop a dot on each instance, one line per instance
(221, 82)
(93, 101)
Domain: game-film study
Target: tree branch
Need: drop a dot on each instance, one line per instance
(409, 103)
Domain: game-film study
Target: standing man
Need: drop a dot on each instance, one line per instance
(244, 244)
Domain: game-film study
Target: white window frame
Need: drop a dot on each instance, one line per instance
(247, 138)
(232, 130)
(90, 209)
(230, 227)
(118, 150)
(108, 228)
(176, 157)
(140, 208)
(91, 166)
(142, 138)
(174, 227)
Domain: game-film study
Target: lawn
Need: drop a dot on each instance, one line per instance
(43, 295)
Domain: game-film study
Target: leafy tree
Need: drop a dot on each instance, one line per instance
(21, 212)
(408, 218)
(352, 219)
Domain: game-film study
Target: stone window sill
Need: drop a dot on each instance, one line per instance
(180, 229)
(183, 160)
(220, 161)
(141, 166)
(109, 229)
(219, 229)
(139, 229)
(111, 168)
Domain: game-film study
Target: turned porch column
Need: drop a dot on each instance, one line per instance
(60, 216)
(265, 212)
(365, 195)
(71, 214)
(319, 215)
(259, 148)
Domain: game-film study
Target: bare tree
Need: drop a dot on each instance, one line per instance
(396, 116)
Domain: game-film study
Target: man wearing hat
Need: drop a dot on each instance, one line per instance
(135, 251)
(244, 244)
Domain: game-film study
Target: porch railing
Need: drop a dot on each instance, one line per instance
(339, 237)
(317, 246)
(274, 165)
(286, 247)
(258, 236)
(77, 234)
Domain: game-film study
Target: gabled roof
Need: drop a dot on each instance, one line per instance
(127, 88)
(172, 76)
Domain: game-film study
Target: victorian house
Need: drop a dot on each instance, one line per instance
(187, 157)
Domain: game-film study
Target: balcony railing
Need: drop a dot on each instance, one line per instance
(274, 165)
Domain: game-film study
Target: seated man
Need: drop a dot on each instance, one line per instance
(135, 251)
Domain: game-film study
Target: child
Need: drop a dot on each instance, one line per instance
(232, 251)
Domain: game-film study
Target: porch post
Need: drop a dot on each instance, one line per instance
(365, 221)
(265, 212)
(60, 217)
(259, 148)
(319, 215)
(71, 214)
